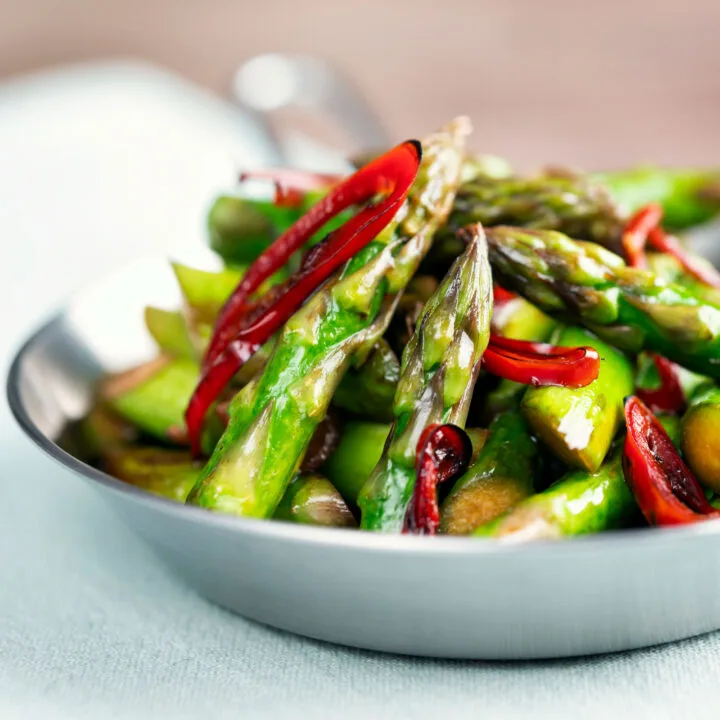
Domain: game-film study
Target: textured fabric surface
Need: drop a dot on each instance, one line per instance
(92, 627)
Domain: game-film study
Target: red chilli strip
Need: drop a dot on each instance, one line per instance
(501, 295)
(391, 174)
(291, 184)
(258, 326)
(541, 364)
(669, 397)
(443, 453)
(662, 242)
(635, 234)
(664, 487)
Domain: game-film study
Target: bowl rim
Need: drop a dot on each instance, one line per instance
(341, 537)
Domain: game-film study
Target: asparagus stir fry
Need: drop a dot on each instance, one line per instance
(436, 344)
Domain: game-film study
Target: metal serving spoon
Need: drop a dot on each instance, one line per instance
(269, 83)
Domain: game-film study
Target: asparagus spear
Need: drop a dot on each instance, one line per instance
(169, 330)
(582, 502)
(701, 435)
(629, 308)
(567, 203)
(239, 229)
(168, 473)
(361, 446)
(153, 396)
(685, 194)
(487, 167)
(579, 424)
(273, 417)
(204, 293)
(501, 477)
(312, 500)
(103, 429)
(439, 369)
(520, 320)
(669, 269)
(368, 391)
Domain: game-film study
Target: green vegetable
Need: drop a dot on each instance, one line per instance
(579, 424)
(578, 504)
(204, 291)
(519, 320)
(681, 192)
(169, 330)
(563, 201)
(668, 268)
(567, 203)
(368, 391)
(239, 229)
(487, 167)
(701, 436)
(312, 500)
(153, 396)
(439, 369)
(168, 473)
(272, 419)
(629, 308)
(103, 429)
(501, 476)
(204, 294)
(360, 449)
(673, 427)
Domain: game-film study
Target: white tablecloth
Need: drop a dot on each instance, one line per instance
(96, 168)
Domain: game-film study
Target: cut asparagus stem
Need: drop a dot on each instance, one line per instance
(168, 473)
(579, 424)
(501, 477)
(153, 396)
(170, 331)
(578, 504)
(701, 436)
(312, 500)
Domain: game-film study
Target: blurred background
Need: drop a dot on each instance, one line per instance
(584, 83)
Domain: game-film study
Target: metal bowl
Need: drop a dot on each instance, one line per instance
(441, 597)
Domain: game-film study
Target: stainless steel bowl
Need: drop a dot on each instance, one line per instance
(442, 597)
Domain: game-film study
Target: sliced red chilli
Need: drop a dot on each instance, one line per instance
(243, 325)
(443, 454)
(635, 234)
(663, 485)
(669, 397)
(391, 175)
(291, 185)
(501, 295)
(540, 364)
